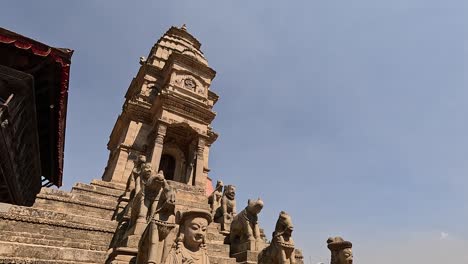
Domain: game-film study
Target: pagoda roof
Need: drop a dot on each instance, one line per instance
(50, 68)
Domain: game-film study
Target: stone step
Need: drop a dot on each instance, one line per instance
(56, 242)
(49, 217)
(216, 238)
(110, 185)
(82, 198)
(222, 260)
(102, 242)
(189, 196)
(97, 191)
(246, 256)
(191, 204)
(41, 252)
(187, 188)
(45, 223)
(220, 248)
(38, 231)
(38, 261)
(70, 205)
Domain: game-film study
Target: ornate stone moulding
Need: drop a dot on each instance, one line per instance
(186, 109)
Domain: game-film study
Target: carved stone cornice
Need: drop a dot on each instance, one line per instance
(175, 31)
(213, 96)
(138, 111)
(190, 63)
(212, 137)
(187, 109)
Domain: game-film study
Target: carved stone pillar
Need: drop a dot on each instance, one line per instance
(158, 146)
(200, 177)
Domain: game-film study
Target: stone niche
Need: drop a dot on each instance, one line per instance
(179, 153)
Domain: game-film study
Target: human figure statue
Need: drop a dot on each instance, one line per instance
(341, 250)
(141, 200)
(160, 231)
(226, 212)
(190, 247)
(133, 182)
(281, 249)
(214, 200)
(244, 226)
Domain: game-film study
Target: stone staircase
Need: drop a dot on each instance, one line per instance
(61, 227)
(78, 226)
(217, 250)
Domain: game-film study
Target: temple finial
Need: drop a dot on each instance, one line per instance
(183, 27)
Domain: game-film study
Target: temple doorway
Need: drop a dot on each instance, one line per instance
(167, 165)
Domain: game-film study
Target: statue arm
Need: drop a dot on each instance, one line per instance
(224, 205)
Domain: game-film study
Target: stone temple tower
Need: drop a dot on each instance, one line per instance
(167, 113)
(164, 125)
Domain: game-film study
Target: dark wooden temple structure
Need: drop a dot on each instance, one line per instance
(33, 105)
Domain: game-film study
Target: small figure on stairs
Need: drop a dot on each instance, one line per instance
(214, 200)
(133, 182)
(226, 212)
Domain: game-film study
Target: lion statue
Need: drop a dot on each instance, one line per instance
(281, 250)
(244, 226)
(341, 250)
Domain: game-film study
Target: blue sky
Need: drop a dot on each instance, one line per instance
(349, 115)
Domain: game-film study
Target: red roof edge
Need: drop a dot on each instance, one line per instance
(62, 57)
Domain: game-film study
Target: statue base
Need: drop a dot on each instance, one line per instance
(247, 251)
(122, 255)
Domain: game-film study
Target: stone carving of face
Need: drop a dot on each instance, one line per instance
(231, 192)
(145, 170)
(345, 256)
(195, 232)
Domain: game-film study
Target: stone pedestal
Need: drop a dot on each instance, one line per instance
(247, 252)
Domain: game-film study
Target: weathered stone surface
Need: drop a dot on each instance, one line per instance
(281, 249)
(226, 210)
(341, 250)
(190, 244)
(245, 231)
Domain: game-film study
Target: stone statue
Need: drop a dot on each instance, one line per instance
(190, 245)
(281, 249)
(141, 201)
(133, 182)
(341, 250)
(160, 233)
(226, 212)
(244, 226)
(214, 200)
